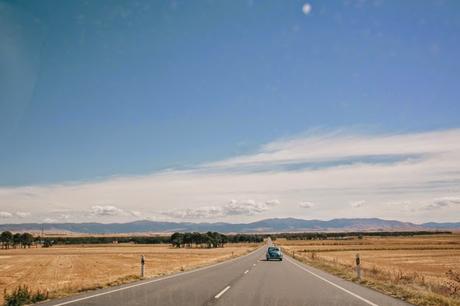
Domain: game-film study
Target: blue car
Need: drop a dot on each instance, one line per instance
(274, 253)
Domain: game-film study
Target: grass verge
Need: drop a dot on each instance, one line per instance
(410, 287)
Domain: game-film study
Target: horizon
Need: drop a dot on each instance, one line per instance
(229, 112)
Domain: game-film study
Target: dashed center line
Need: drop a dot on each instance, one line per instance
(245, 272)
(222, 292)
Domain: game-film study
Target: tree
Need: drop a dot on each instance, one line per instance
(7, 239)
(187, 239)
(197, 238)
(16, 239)
(177, 239)
(48, 243)
(27, 239)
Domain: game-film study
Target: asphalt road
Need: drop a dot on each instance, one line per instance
(248, 280)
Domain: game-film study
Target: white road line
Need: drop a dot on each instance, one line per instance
(222, 292)
(154, 280)
(246, 272)
(333, 284)
(253, 264)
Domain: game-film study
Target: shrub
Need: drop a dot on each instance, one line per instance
(23, 295)
(313, 255)
(454, 282)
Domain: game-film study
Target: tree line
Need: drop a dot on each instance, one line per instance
(210, 239)
(359, 235)
(108, 239)
(8, 239)
(191, 239)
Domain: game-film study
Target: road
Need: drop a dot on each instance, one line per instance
(248, 280)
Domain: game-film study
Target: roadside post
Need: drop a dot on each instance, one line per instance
(358, 266)
(142, 266)
(293, 255)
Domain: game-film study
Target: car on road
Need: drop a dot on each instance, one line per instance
(274, 252)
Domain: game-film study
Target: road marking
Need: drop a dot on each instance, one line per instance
(154, 280)
(254, 265)
(222, 292)
(246, 272)
(333, 284)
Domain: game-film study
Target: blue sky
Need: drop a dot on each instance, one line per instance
(90, 90)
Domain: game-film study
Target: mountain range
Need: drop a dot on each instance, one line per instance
(262, 226)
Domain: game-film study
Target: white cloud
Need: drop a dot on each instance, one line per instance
(340, 146)
(272, 202)
(447, 201)
(357, 204)
(195, 213)
(5, 215)
(443, 202)
(248, 207)
(105, 210)
(22, 214)
(64, 217)
(306, 204)
(232, 208)
(329, 167)
(306, 8)
(135, 213)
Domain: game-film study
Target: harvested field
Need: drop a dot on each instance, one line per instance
(63, 270)
(423, 270)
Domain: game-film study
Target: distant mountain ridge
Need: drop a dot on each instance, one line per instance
(262, 226)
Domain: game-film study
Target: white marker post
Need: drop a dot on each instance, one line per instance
(142, 266)
(358, 267)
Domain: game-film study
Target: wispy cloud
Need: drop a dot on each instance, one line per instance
(22, 214)
(357, 204)
(443, 203)
(5, 214)
(306, 8)
(232, 208)
(136, 213)
(329, 168)
(19, 214)
(341, 146)
(306, 204)
(105, 210)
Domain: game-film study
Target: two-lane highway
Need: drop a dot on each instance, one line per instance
(248, 280)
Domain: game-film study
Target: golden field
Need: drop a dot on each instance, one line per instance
(62, 270)
(424, 270)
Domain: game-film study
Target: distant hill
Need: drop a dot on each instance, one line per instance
(262, 226)
(446, 225)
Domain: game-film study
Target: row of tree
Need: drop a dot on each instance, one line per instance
(107, 239)
(344, 235)
(195, 239)
(210, 239)
(8, 239)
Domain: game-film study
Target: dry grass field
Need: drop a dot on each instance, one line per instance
(425, 270)
(63, 270)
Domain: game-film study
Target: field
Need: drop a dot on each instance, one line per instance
(62, 270)
(424, 270)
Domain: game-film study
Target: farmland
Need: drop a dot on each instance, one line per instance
(423, 270)
(63, 270)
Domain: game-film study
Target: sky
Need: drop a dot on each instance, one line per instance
(235, 111)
